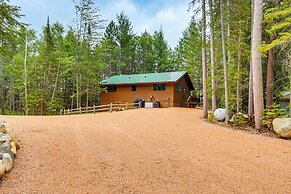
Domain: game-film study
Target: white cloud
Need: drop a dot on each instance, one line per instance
(125, 6)
(167, 15)
(174, 19)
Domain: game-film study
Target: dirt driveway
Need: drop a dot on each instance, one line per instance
(144, 151)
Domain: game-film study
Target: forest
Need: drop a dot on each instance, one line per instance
(236, 52)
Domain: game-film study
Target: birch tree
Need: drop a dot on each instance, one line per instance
(224, 63)
(25, 78)
(213, 81)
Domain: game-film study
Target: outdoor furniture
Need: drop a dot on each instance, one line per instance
(190, 103)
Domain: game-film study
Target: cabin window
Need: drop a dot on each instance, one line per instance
(111, 88)
(133, 87)
(157, 87)
(178, 88)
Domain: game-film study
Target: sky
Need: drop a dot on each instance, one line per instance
(149, 15)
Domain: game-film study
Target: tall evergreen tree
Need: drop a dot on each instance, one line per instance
(126, 44)
(257, 63)
(161, 52)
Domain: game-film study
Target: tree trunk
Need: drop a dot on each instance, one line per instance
(11, 93)
(238, 83)
(1, 86)
(251, 92)
(56, 83)
(213, 81)
(224, 63)
(228, 35)
(204, 66)
(87, 93)
(270, 75)
(289, 65)
(257, 63)
(25, 79)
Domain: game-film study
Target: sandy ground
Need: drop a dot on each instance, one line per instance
(144, 151)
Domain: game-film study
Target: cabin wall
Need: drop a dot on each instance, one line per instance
(181, 91)
(124, 94)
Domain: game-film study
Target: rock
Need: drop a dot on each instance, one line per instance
(5, 147)
(282, 126)
(2, 128)
(5, 137)
(14, 138)
(13, 147)
(12, 155)
(7, 161)
(2, 169)
(220, 114)
(2, 121)
(9, 130)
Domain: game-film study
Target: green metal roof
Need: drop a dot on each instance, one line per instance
(144, 78)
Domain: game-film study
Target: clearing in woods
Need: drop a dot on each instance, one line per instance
(169, 150)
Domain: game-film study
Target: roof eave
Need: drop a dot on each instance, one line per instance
(107, 84)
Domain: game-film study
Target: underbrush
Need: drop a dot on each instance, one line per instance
(246, 122)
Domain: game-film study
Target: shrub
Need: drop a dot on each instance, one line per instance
(240, 119)
(276, 111)
(212, 118)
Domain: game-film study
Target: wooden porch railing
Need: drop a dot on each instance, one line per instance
(101, 108)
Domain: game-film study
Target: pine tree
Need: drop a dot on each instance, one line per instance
(257, 63)
(204, 65)
(125, 41)
(161, 52)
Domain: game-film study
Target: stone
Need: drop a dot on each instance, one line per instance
(282, 126)
(2, 121)
(13, 147)
(5, 137)
(2, 169)
(9, 130)
(220, 114)
(14, 139)
(5, 147)
(12, 155)
(7, 161)
(2, 128)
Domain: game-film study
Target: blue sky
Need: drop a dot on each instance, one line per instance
(172, 15)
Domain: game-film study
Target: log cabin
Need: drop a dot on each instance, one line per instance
(168, 88)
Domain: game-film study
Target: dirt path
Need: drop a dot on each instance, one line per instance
(144, 151)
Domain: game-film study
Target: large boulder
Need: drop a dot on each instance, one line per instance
(2, 169)
(220, 114)
(282, 126)
(7, 161)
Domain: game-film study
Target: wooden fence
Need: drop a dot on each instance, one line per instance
(101, 108)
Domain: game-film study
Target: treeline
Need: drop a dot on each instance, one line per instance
(62, 67)
(245, 54)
